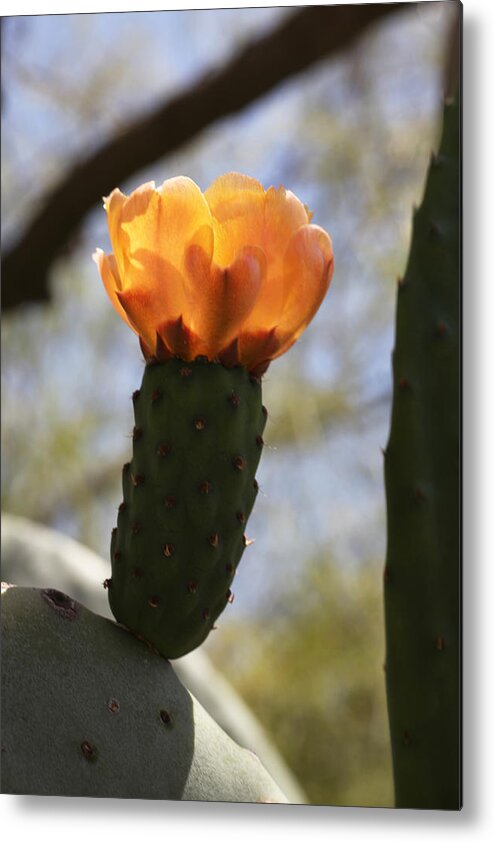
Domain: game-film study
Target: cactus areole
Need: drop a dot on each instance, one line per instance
(216, 285)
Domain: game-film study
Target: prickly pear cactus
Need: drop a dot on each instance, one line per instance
(422, 573)
(89, 710)
(187, 495)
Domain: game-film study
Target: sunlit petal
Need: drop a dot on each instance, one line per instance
(108, 269)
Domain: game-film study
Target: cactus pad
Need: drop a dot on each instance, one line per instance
(89, 710)
(187, 495)
(422, 574)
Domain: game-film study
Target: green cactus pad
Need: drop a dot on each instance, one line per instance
(187, 495)
(89, 710)
(422, 574)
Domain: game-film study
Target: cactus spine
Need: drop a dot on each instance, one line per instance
(187, 495)
(422, 573)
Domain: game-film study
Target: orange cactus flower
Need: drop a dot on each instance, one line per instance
(234, 274)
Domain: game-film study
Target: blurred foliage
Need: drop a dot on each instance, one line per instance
(313, 673)
(304, 639)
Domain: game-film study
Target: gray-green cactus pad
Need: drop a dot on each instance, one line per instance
(90, 710)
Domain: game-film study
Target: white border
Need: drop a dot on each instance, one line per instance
(80, 819)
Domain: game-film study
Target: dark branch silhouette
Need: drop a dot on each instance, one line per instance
(304, 38)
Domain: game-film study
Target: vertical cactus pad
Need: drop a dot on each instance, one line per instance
(422, 574)
(187, 495)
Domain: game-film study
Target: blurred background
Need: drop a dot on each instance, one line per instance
(351, 135)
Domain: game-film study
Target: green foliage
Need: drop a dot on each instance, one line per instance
(89, 710)
(422, 576)
(188, 493)
(313, 674)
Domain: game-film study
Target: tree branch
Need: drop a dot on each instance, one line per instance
(305, 37)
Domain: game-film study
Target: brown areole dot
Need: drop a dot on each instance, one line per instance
(155, 395)
(168, 550)
(205, 487)
(170, 501)
(136, 433)
(107, 584)
(163, 449)
(239, 462)
(200, 423)
(153, 601)
(185, 371)
(234, 399)
(135, 528)
(214, 539)
(113, 706)
(136, 394)
(165, 717)
(88, 750)
(137, 480)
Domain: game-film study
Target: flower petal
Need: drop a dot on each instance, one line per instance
(108, 270)
(309, 268)
(221, 299)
